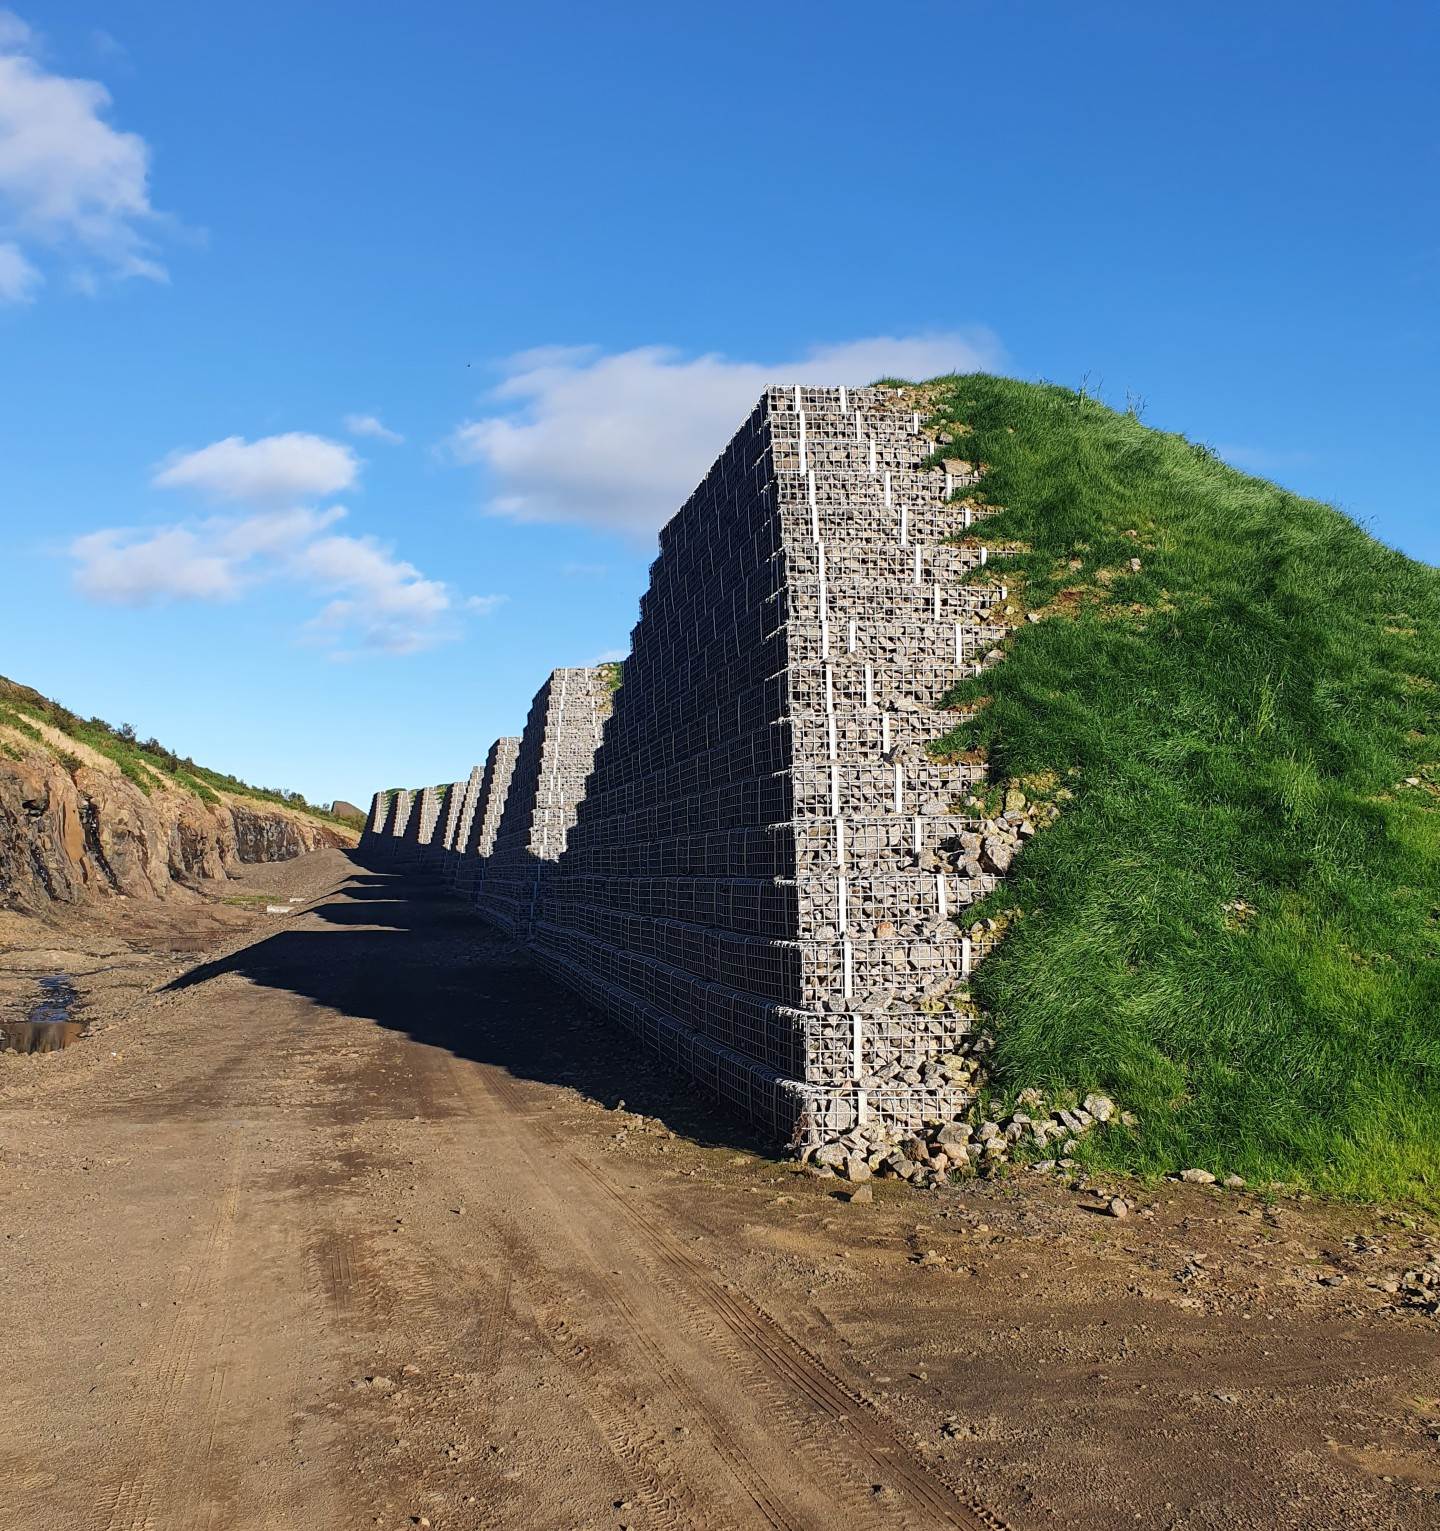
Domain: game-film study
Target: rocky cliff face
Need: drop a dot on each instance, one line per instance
(71, 834)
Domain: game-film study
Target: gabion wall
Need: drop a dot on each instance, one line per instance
(392, 810)
(753, 863)
(547, 781)
(460, 813)
(479, 838)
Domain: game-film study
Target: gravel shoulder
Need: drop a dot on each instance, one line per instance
(349, 1217)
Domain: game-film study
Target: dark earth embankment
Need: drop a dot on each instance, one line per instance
(86, 813)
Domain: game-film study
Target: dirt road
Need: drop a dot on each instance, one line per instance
(347, 1227)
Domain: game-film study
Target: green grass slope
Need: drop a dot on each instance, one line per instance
(1233, 924)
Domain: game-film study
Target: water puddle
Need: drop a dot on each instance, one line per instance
(48, 1027)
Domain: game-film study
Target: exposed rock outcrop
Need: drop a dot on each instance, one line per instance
(74, 831)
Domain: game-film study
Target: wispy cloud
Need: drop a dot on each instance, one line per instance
(483, 605)
(20, 279)
(617, 440)
(138, 569)
(373, 427)
(74, 190)
(383, 602)
(373, 600)
(214, 559)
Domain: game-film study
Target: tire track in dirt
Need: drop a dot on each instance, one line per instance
(525, 1256)
(668, 1501)
(691, 1405)
(337, 1260)
(794, 1371)
(172, 1412)
(807, 1376)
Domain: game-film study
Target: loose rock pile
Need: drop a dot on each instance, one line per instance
(970, 1147)
(1420, 1287)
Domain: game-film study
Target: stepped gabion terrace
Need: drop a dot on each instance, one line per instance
(746, 855)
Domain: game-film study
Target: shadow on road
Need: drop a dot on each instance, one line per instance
(406, 954)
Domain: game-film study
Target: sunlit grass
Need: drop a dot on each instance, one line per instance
(1234, 925)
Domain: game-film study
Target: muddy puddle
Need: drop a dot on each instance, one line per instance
(47, 1027)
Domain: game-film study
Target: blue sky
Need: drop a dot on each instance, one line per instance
(557, 249)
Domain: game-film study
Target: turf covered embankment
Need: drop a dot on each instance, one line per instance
(1234, 923)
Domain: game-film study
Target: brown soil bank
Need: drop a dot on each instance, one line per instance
(74, 827)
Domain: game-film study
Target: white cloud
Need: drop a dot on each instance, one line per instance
(134, 570)
(373, 601)
(373, 426)
(381, 602)
(273, 469)
(483, 605)
(18, 277)
(619, 440)
(71, 185)
(273, 534)
(215, 559)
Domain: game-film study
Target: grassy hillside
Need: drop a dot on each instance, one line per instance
(1234, 923)
(146, 763)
